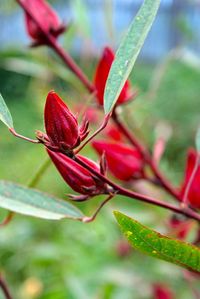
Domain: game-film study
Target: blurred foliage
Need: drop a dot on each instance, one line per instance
(67, 259)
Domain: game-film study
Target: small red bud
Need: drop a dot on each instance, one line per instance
(61, 125)
(75, 175)
(180, 228)
(101, 76)
(123, 248)
(161, 291)
(194, 191)
(46, 17)
(123, 161)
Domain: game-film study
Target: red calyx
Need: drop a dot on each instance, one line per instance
(194, 191)
(46, 17)
(76, 176)
(61, 125)
(101, 76)
(123, 161)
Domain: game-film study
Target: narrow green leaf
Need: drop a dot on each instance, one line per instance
(31, 202)
(198, 140)
(5, 115)
(128, 52)
(159, 246)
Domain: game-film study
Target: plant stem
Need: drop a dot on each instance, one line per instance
(39, 173)
(93, 217)
(147, 156)
(12, 130)
(103, 125)
(71, 64)
(122, 191)
(4, 288)
(7, 219)
(82, 77)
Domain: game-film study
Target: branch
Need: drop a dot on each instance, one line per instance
(147, 156)
(4, 288)
(147, 199)
(71, 64)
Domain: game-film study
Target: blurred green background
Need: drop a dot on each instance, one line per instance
(68, 259)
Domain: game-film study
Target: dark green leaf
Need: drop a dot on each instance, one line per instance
(31, 202)
(159, 246)
(128, 52)
(5, 115)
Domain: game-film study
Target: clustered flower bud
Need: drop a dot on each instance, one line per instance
(62, 131)
(46, 17)
(101, 76)
(180, 228)
(76, 176)
(162, 291)
(194, 191)
(124, 162)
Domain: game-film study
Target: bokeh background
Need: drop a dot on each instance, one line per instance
(67, 259)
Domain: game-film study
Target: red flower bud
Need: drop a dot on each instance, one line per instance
(180, 228)
(76, 176)
(162, 292)
(123, 248)
(124, 162)
(46, 17)
(113, 133)
(101, 76)
(194, 191)
(61, 125)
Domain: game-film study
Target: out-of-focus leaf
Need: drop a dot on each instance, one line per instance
(198, 140)
(37, 67)
(5, 115)
(159, 246)
(128, 52)
(32, 202)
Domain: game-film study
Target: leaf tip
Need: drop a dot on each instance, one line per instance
(119, 216)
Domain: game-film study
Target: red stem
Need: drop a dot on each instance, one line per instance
(4, 288)
(147, 156)
(122, 191)
(12, 130)
(82, 77)
(71, 64)
(8, 219)
(103, 125)
(93, 217)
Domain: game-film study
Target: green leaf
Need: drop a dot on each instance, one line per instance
(128, 52)
(31, 202)
(5, 115)
(159, 246)
(198, 140)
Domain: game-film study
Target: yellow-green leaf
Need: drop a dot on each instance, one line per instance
(159, 246)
